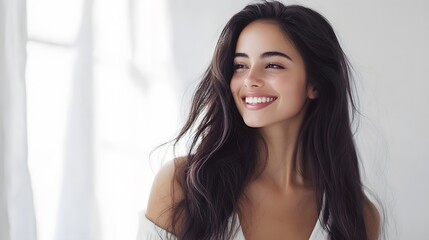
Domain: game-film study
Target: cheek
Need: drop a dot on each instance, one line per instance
(293, 93)
(235, 86)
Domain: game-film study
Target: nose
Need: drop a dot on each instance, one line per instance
(253, 80)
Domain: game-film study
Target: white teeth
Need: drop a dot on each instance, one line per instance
(257, 100)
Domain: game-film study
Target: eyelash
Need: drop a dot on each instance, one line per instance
(269, 65)
(238, 66)
(274, 66)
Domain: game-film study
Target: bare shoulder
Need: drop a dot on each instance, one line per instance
(161, 197)
(372, 220)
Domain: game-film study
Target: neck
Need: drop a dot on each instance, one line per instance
(281, 171)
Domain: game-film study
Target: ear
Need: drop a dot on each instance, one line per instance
(311, 92)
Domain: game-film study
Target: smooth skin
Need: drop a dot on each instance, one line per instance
(279, 203)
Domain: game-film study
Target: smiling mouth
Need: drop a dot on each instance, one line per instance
(258, 100)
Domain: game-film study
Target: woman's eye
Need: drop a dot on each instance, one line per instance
(273, 65)
(238, 66)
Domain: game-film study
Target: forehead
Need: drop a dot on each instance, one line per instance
(263, 36)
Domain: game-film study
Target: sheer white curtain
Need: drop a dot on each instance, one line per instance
(16, 202)
(105, 87)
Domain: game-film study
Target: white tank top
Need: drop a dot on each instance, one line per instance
(149, 231)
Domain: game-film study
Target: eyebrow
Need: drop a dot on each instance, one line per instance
(265, 55)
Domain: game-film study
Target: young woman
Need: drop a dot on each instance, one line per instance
(272, 154)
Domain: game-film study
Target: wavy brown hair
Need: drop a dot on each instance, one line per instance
(223, 155)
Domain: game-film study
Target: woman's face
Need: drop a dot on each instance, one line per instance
(269, 84)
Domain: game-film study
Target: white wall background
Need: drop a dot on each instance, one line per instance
(387, 44)
(146, 61)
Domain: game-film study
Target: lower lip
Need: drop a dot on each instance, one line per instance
(257, 106)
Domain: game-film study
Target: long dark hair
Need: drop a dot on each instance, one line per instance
(224, 154)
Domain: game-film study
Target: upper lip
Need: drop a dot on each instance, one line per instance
(256, 94)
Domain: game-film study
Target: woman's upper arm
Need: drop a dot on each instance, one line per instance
(372, 220)
(160, 200)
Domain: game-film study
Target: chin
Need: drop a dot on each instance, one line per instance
(254, 124)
